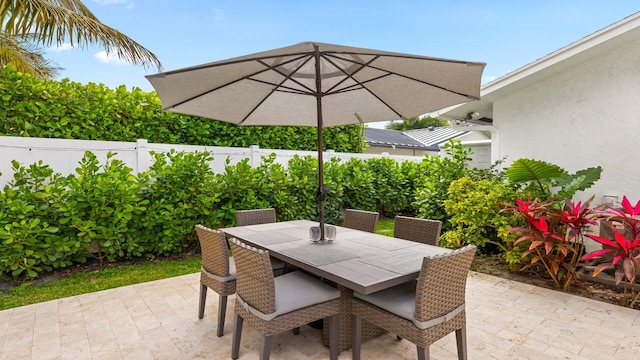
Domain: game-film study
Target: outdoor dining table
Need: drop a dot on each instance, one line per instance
(355, 261)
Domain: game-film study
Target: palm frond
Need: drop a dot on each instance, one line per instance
(26, 58)
(58, 21)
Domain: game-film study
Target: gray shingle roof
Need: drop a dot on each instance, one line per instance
(394, 139)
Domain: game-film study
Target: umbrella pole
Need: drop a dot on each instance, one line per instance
(321, 190)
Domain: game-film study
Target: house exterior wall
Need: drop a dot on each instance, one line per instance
(475, 136)
(480, 154)
(584, 117)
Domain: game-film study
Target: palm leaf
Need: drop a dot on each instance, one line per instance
(26, 57)
(57, 21)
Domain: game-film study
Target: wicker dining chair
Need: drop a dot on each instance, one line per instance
(218, 271)
(421, 311)
(360, 220)
(274, 305)
(255, 216)
(419, 230)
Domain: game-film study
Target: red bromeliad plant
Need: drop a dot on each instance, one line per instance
(554, 235)
(621, 253)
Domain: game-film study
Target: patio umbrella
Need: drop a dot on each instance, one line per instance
(321, 85)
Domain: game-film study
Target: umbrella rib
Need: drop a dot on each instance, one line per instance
(348, 76)
(360, 84)
(409, 77)
(299, 55)
(276, 86)
(289, 76)
(246, 77)
(333, 53)
(280, 87)
(363, 65)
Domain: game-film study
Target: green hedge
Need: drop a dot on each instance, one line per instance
(49, 221)
(70, 110)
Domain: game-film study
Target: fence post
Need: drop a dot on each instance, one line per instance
(330, 155)
(142, 155)
(254, 156)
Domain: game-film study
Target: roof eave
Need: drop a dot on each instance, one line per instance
(612, 36)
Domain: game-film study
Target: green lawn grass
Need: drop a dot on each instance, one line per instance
(82, 282)
(385, 226)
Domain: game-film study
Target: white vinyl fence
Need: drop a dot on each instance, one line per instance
(63, 155)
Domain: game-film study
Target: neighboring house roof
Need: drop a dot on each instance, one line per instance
(600, 42)
(433, 136)
(394, 139)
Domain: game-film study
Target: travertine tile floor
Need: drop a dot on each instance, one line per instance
(158, 320)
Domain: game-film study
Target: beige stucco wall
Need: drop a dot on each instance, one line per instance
(584, 117)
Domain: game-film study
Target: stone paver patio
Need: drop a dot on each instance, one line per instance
(158, 320)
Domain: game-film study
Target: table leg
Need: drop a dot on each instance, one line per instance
(344, 323)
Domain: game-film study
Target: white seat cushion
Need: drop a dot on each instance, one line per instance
(230, 277)
(399, 300)
(297, 290)
(232, 266)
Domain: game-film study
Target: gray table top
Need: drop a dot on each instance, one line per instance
(359, 260)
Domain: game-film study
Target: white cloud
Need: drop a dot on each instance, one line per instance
(112, 58)
(61, 47)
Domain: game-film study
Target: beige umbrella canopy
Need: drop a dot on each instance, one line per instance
(321, 85)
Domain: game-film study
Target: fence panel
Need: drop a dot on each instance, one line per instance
(63, 155)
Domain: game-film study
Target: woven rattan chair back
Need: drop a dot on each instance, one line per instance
(256, 301)
(254, 283)
(360, 220)
(442, 283)
(255, 217)
(215, 253)
(439, 306)
(215, 272)
(419, 230)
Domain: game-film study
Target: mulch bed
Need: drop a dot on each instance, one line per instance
(581, 287)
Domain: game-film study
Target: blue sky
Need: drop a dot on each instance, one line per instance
(504, 34)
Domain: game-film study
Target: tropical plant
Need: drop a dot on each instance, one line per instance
(622, 253)
(32, 235)
(551, 180)
(416, 123)
(179, 191)
(27, 24)
(101, 203)
(359, 185)
(555, 237)
(474, 208)
(388, 182)
(439, 173)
